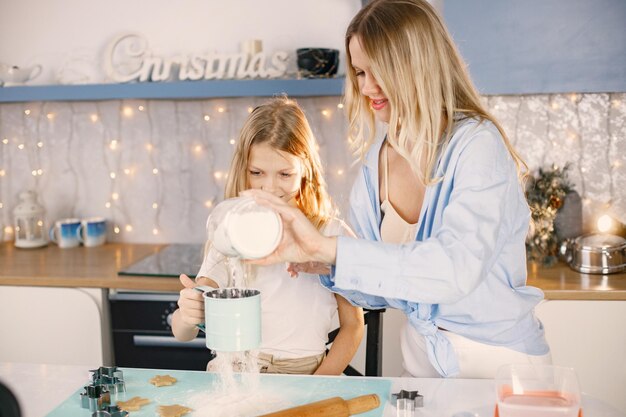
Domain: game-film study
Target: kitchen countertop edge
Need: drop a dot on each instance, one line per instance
(97, 268)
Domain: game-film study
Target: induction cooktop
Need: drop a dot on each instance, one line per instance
(171, 261)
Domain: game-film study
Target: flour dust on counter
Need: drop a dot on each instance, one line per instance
(245, 400)
(254, 394)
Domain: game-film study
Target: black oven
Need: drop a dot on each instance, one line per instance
(142, 333)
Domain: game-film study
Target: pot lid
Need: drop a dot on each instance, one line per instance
(600, 241)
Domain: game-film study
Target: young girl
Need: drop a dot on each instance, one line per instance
(438, 205)
(277, 153)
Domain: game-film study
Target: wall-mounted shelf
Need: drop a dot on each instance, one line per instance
(175, 90)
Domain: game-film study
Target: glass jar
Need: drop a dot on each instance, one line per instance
(241, 228)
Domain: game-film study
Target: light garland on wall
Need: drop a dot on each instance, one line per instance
(583, 190)
(111, 157)
(608, 150)
(133, 148)
(550, 140)
(70, 164)
(152, 150)
(606, 221)
(184, 171)
(205, 131)
(518, 111)
(4, 141)
(566, 142)
(37, 171)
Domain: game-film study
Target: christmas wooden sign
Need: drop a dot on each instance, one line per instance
(127, 58)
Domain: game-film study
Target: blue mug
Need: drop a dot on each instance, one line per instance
(232, 318)
(92, 231)
(65, 233)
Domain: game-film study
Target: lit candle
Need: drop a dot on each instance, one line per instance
(252, 46)
(605, 223)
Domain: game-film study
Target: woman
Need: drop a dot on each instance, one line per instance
(438, 204)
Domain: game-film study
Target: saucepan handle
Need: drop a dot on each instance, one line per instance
(565, 250)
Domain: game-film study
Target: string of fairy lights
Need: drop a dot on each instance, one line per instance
(127, 160)
(608, 221)
(599, 210)
(583, 191)
(120, 170)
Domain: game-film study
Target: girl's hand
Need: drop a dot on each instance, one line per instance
(190, 303)
(301, 241)
(318, 268)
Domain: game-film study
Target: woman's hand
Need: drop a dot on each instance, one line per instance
(301, 241)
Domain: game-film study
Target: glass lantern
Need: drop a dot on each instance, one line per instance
(29, 222)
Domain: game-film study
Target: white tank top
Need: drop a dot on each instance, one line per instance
(393, 228)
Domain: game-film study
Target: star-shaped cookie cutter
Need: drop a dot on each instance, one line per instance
(109, 376)
(95, 397)
(110, 411)
(414, 396)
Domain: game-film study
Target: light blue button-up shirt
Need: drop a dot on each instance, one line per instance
(466, 271)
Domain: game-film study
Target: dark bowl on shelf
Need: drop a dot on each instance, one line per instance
(317, 62)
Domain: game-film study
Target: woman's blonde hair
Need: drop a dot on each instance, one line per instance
(282, 124)
(419, 70)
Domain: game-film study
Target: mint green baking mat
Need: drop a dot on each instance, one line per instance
(255, 394)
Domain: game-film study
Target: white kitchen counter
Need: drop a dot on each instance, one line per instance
(40, 388)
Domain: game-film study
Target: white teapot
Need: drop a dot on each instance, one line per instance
(13, 75)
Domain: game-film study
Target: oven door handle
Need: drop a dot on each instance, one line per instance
(167, 341)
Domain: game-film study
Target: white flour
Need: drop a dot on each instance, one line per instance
(238, 392)
(240, 403)
(240, 274)
(239, 227)
(254, 234)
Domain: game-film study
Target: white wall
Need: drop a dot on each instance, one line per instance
(74, 33)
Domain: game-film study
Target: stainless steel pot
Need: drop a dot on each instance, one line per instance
(595, 253)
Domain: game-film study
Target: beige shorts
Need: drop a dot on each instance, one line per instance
(304, 366)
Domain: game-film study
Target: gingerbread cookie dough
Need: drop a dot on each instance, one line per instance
(175, 410)
(162, 380)
(134, 404)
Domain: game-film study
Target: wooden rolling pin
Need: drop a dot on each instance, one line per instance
(332, 407)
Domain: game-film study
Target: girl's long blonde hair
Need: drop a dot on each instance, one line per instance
(282, 124)
(419, 70)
